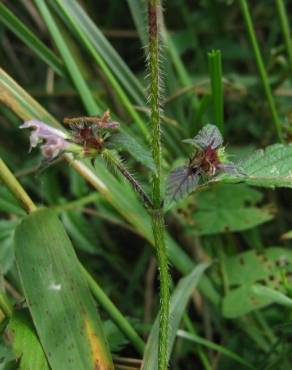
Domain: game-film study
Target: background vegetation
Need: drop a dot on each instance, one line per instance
(228, 244)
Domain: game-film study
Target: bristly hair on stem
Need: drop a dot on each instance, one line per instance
(158, 227)
(117, 164)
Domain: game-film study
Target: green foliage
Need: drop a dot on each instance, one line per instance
(73, 59)
(257, 279)
(269, 167)
(25, 343)
(224, 208)
(7, 228)
(65, 317)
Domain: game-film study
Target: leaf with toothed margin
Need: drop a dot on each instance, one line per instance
(209, 135)
(181, 182)
(271, 167)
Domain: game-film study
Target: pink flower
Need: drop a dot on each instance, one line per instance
(55, 141)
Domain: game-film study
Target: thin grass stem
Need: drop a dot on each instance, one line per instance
(284, 23)
(114, 313)
(215, 71)
(14, 186)
(261, 68)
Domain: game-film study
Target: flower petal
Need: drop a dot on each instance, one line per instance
(54, 139)
(43, 130)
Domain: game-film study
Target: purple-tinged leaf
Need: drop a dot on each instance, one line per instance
(209, 135)
(181, 182)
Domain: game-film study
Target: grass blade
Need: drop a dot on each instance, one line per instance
(31, 40)
(261, 67)
(72, 68)
(284, 23)
(75, 25)
(103, 48)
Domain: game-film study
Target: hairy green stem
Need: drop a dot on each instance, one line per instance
(261, 67)
(157, 213)
(117, 164)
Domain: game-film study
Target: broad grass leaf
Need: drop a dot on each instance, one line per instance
(178, 303)
(58, 296)
(25, 342)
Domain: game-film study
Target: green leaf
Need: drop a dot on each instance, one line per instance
(178, 303)
(246, 271)
(228, 208)
(25, 343)
(254, 266)
(249, 297)
(274, 295)
(271, 167)
(240, 301)
(7, 357)
(58, 296)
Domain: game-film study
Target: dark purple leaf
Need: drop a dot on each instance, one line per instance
(181, 182)
(209, 135)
